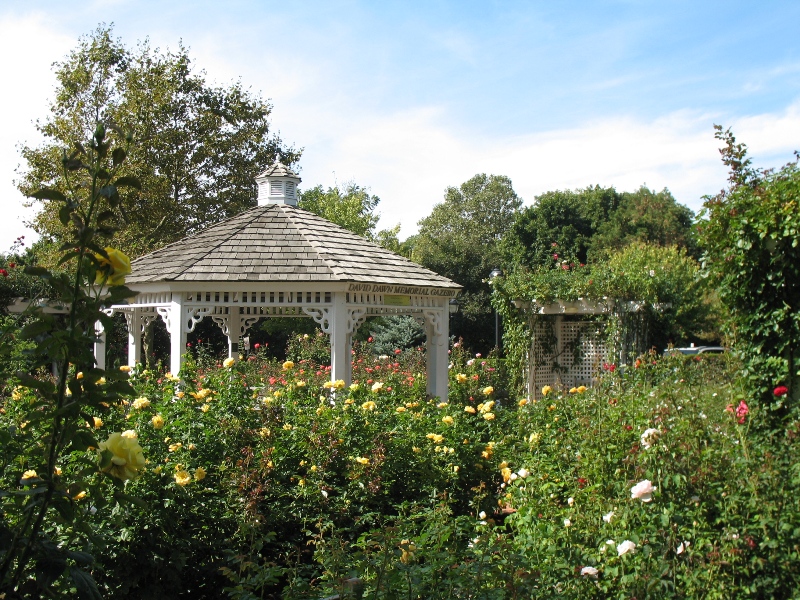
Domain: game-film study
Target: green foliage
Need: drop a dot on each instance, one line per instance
(584, 225)
(648, 217)
(395, 331)
(558, 222)
(459, 240)
(653, 288)
(200, 146)
(352, 207)
(45, 462)
(749, 235)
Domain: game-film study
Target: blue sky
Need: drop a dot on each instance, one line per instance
(408, 98)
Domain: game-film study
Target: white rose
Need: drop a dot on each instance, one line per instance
(625, 547)
(643, 491)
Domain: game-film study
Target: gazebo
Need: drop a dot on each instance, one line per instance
(277, 260)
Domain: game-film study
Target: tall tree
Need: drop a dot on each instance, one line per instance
(352, 207)
(199, 146)
(648, 217)
(582, 224)
(459, 240)
(559, 225)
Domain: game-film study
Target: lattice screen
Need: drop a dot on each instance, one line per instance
(565, 366)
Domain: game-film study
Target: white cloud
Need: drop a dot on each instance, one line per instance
(409, 158)
(30, 45)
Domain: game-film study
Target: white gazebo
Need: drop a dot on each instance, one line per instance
(277, 260)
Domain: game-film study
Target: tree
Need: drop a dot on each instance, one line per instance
(199, 146)
(559, 225)
(352, 207)
(751, 255)
(584, 225)
(647, 217)
(460, 239)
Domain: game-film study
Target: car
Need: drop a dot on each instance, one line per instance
(692, 349)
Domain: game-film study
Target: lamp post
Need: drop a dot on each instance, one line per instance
(494, 274)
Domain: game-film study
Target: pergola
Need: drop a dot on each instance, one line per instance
(277, 260)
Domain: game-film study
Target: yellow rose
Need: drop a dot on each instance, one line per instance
(362, 461)
(369, 405)
(447, 419)
(377, 386)
(157, 421)
(287, 427)
(573, 390)
(489, 416)
(205, 407)
(130, 433)
(141, 403)
(125, 368)
(523, 402)
(126, 456)
(488, 391)
(546, 390)
(327, 385)
(470, 409)
(354, 386)
(79, 375)
(400, 409)
(338, 384)
(29, 475)
(98, 422)
(199, 474)
(113, 269)
(288, 365)
(182, 478)
(461, 378)
(581, 389)
(229, 362)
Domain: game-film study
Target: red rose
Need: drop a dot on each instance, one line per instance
(781, 390)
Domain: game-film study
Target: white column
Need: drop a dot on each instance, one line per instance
(437, 330)
(135, 322)
(234, 331)
(177, 333)
(340, 340)
(100, 345)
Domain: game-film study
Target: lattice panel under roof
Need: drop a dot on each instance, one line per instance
(541, 362)
(570, 372)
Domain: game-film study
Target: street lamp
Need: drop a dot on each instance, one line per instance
(494, 274)
(453, 306)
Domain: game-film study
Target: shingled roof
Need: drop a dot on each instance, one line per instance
(278, 169)
(279, 242)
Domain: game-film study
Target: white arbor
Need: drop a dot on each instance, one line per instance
(277, 260)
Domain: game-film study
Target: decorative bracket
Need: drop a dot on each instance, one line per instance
(434, 318)
(166, 316)
(246, 323)
(195, 316)
(222, 321)
(355, 317)
(321, 316)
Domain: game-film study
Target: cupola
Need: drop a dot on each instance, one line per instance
(277, 185)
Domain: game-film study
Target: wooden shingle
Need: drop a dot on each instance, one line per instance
(280, 242)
